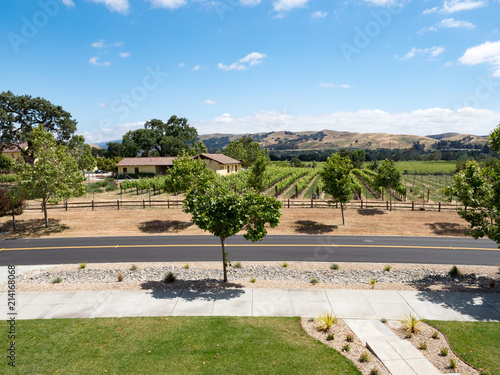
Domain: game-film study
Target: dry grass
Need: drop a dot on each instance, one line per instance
(127, 222)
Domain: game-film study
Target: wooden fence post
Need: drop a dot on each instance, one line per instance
(143, 204)
(92, 205)
(118, 203)
(428, 192)
(412, 205)
(66, 205)
(168, 203)
(439, 209)
(386, 205)
(361, 203)
(137, 189)
(288, 202)
(312, 200)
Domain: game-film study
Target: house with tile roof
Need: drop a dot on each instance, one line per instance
(14, 151)
(220, 164)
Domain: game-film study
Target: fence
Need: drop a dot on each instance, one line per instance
(288, 203)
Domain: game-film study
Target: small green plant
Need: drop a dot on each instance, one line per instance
(186, 266)
(365, 357)
(133, 267)
(325, 321)
(169, 278)
(349, 338)
(111, 187)
(310, 320)
(252, 280)
(314, 281)
(383, 320)
(237, 265)
(330, 337)
(491, 283)
(82, 265)
(346, 348)
(454, 271)
(284, 265)
(387, 268)
(373, 282)
(56, 280)
(453, 364)
(120, 277)
(374, 371)
(334, 266)
(423, 345)
(410, 324)
(435, 335)
(444, 351)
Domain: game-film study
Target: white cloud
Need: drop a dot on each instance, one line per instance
(253, 58)
(124, 54)
(250, 3)
(318, 15)
(432, 52)
(101, 43)
(233, 66)
(181, 65)
(102, 105)
(453, 6)
(120, 6)
(488, 52)
(452, 23)
(208, 101)
(93, 61)
(69, 3)
(169, 4)
(286, 5)
(196, 68)
(331, 86)
(382, 3)
(113, 132)
(344, 86)
(418, 122)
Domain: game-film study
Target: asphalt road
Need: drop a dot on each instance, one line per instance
(319, 248)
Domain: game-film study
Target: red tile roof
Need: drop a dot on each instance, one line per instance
(168, 160)
(220, 158)
(15, 148)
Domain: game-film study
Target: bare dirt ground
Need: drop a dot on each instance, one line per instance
(132, 222)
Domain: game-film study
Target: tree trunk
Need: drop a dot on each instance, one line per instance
(44, 205)
(13, 220)
(342, 209)
(224, 259)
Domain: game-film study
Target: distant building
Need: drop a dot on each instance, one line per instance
(13, 151)
(220, 164)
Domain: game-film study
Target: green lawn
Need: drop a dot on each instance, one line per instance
(427, 166)
(171, 345)
(476, 342)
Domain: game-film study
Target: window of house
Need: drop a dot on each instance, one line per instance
(124, 170)
(136, 170)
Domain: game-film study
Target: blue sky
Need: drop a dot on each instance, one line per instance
(237, 66)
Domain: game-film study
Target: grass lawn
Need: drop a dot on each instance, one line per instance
(476, 342)
(171, 345)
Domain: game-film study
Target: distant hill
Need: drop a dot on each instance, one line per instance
(330, 139)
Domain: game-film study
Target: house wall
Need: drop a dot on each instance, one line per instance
(142, 169)
(14, 155)
(222, 168)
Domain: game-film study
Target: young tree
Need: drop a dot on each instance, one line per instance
(54, 175)
(389, 177)
(185, 172)
(82, 153)
(10, 206)
(19, 115)
(216, 208)
(258, 176)
(338, 180)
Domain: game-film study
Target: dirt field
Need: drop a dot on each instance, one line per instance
(133, 222)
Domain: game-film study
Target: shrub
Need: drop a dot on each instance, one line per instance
(374, 371)
(310, 320)
(387, 268)
(330, 337)
(83, 265)
(365, 357)
(284, 265)
(56, 280)
(346, 348)
(111, 187)
(444, 351)
(410, 324)
(453, 364)
(120, 277)
(383, 320)
(133, 267)
(334, 266)
(169, 278)
(186, 266)
(454, 271)
(314, 281)
(349, 338)
(252, 280)
(325, 321)
(238, 265)
(423, 345)
(491, 283)
(435, 335)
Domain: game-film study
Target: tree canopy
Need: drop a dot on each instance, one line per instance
(19, 115)
(185, 172)
(338, 180)
(388, 177)
(216, 208)
(82, 153)
(55, 174)
(245, 150)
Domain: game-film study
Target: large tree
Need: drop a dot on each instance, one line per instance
(53, 176)
(82, 153)
(245, 150)
(388, 177)
(216, 208)
(10, 206)
(338, 180)
(20, 114)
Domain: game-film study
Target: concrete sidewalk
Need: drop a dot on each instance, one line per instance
(348, 304)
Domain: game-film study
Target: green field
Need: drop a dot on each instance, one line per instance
(475, 342)
(427, 166)
(171, 345)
